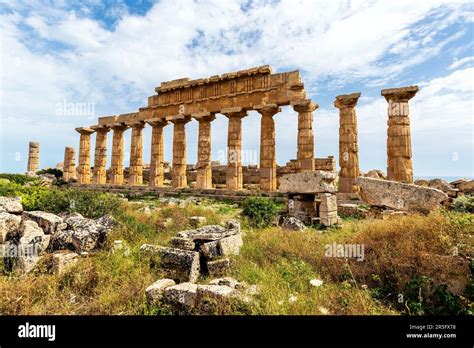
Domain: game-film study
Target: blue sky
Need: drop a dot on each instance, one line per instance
(110, 55)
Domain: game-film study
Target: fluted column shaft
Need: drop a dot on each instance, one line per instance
(179, 179)
(157, 152)
(33, 157)
(234, 179)
(116, 164)
(305, 154)
(136, 155)
(69, 165)
(348, 146)
(268, 179)
(100, 155)
(204, 169)
(84, 167)
(399, 151)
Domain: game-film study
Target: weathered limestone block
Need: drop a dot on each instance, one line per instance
(234, 179)
(352, 210)
(328, 202)
(157, 152)
(183, 243)
(196, 221)
(204, 169)
(182, 265)
(50, 223)
(209, 233)
(155, 291)
(88, 234)
(63, 260)
(348, 146)
(308, 182)
(33, 158)
(136, 155)
(179, 179)
(116, 167)
(100, 155)
(230, 245)
(69, 168)
(84, 167)
(210, 250)
(268, 180)
(292, 223)
(9, 225)
(182, 295)
(11, 205)
(400, 196)
(305, 154)
(218, 268)
(399, 151)
(32, 235)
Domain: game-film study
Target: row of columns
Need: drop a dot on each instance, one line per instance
(399, 151)
(234, 177)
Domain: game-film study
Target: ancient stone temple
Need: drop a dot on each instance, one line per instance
(33, 158)
(177, 102)
(399, 153)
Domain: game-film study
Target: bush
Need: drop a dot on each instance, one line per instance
(58, 173)
(464, 204)
(260, 211)
(18, 178)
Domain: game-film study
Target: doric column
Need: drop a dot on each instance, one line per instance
(268, 180)
(100, 154)
(399, 153)
(204, 169)
(305, 155)
(156, 160)
(84, 167)
(116, 164)
(33, 158)
(69, 165)
(234, 179)
(136, 155)
(178, 179)
(348, 147)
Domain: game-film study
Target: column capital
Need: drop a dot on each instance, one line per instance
(305, 106)
(234, 112)
(100, 128)
(204, 116)
(119, 126)
(267, 109)
(346, 100)
(137, 124)
(85, 130)
(399, 94)
(181, 118)
(157, 122)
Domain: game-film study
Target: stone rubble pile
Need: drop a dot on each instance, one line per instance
(204, 250)
(25, 236)
(199, 298)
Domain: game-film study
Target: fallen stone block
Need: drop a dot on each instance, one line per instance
(32, 237)
(179, 264)
(181, 295)
(208, 233)
(230, 245)
(196, 221)
(210, 250)
(50, 223)
(352, 210)
(88, 234)
(155, 291)
(182, 243)
(11, 205)
(400, 196)
(9, 225)
(61, 240)
(308, 182)
(292, 223)
(63, 260)
(218, 268)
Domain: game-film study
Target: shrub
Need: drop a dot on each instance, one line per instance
(58, 173)
(464, 204)
(18, 178)
(260, 211)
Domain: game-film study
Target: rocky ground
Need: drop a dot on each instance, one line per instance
(196, 256)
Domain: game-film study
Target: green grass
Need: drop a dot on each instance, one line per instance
(282, 264)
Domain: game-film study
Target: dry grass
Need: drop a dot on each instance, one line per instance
(281, 263)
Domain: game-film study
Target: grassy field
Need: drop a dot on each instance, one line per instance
(412, 265)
